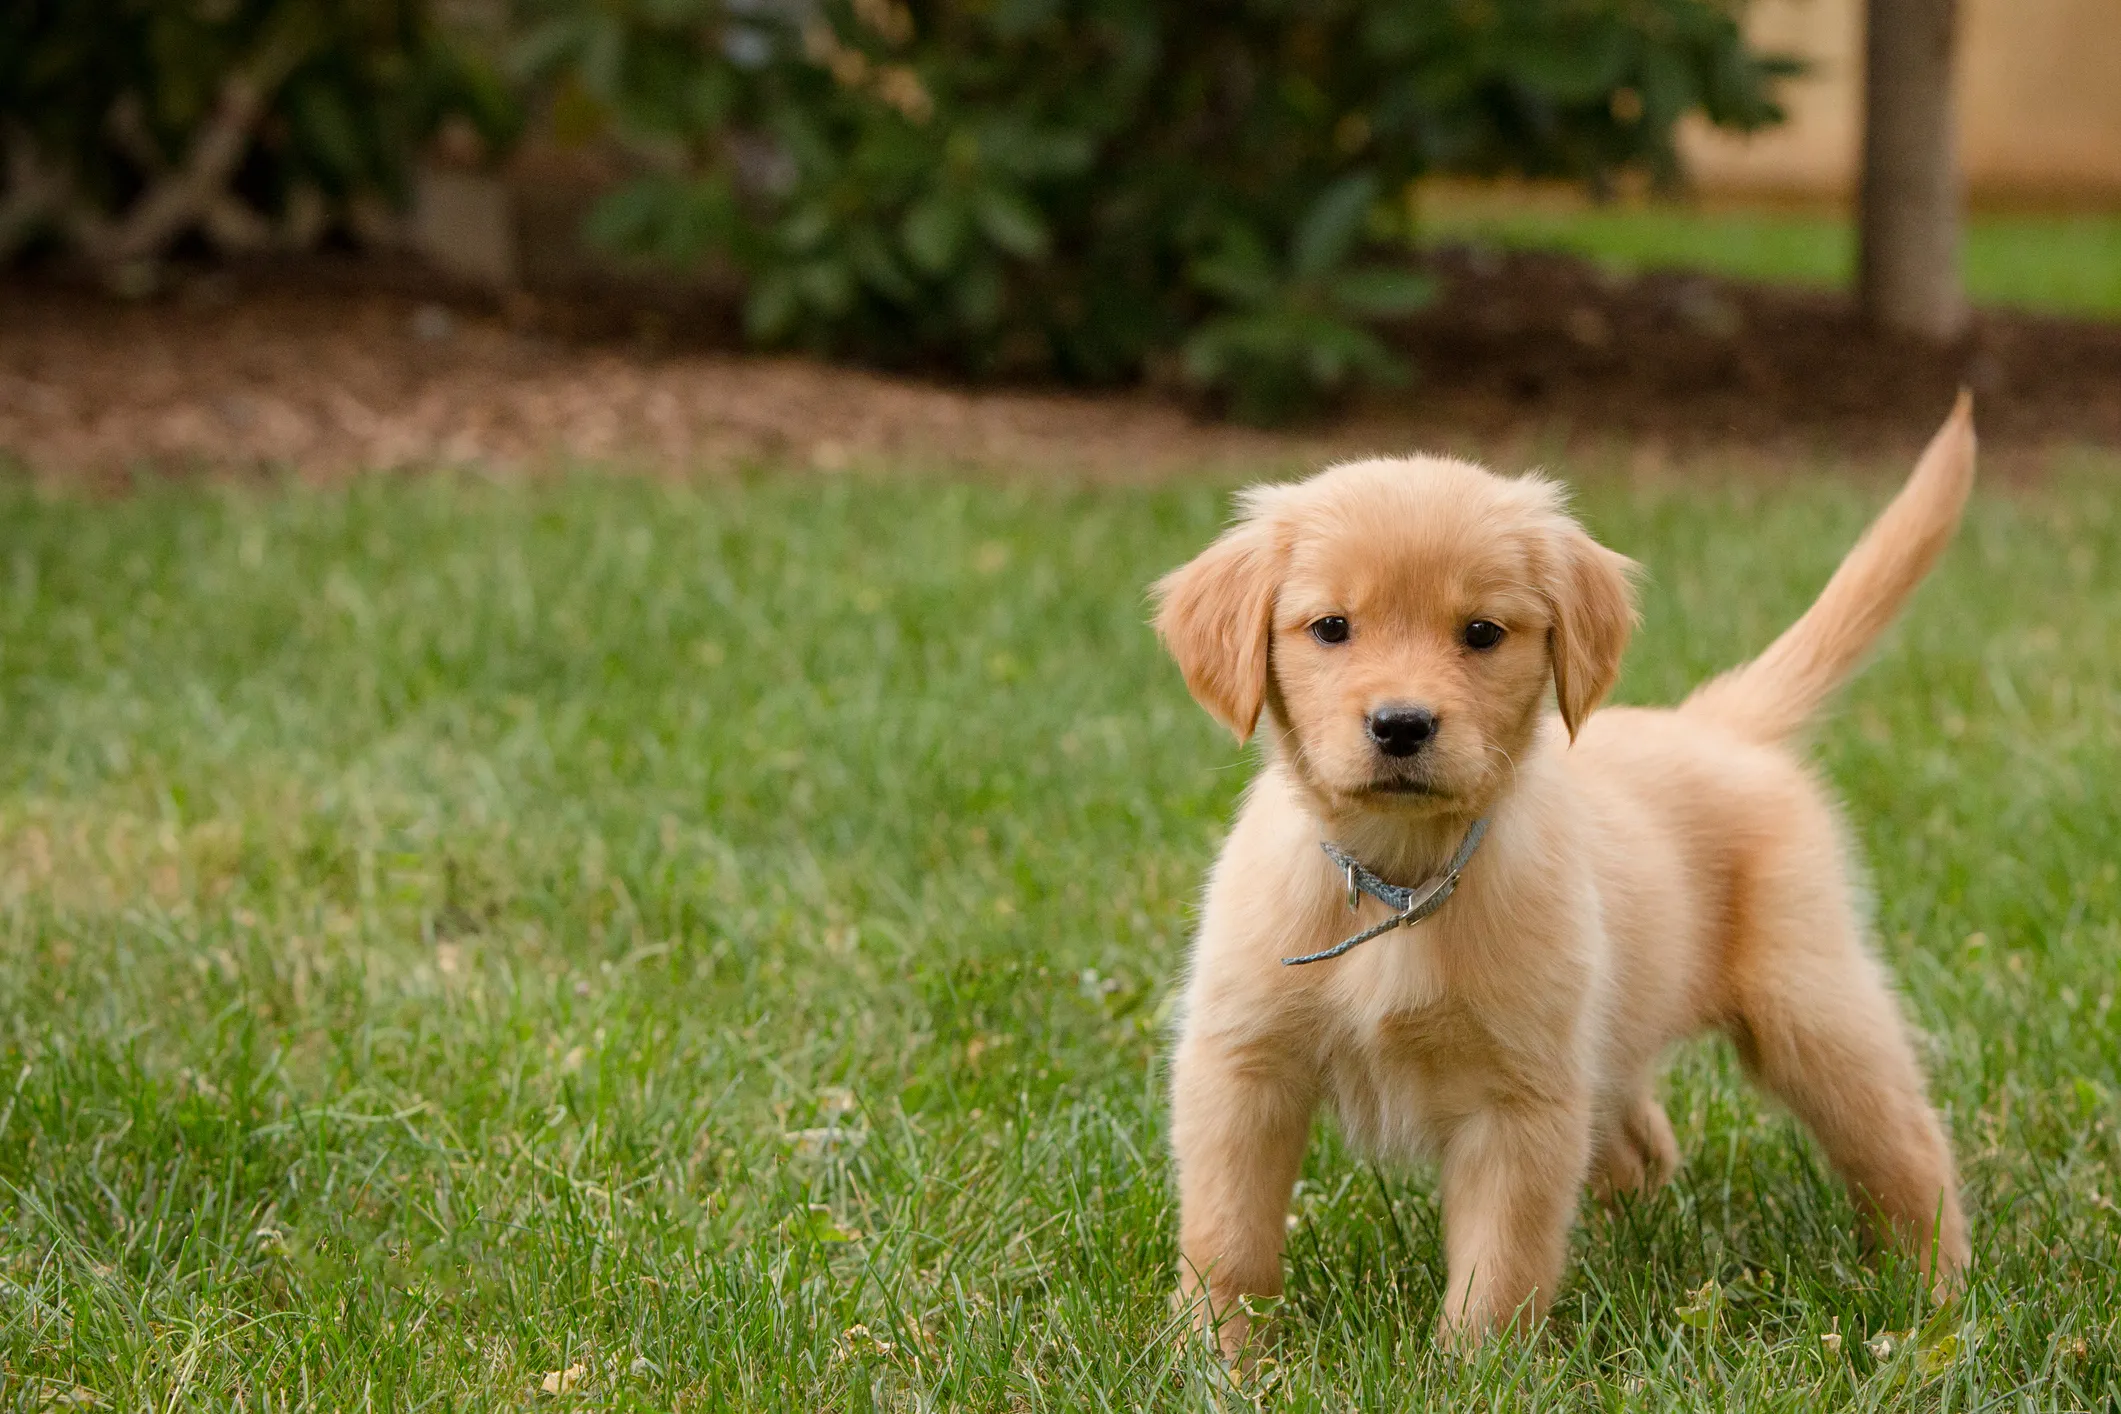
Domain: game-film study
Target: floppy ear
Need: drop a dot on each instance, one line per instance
(1215, 614)
(1590, 591)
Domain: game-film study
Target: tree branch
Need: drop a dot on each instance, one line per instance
(33, 196)
(196, 191)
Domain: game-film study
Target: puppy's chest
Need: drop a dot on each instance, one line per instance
(1411, 1060)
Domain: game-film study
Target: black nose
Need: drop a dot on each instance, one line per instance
(1401, 731)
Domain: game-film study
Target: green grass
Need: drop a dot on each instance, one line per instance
(713, 939)
(2067, 264)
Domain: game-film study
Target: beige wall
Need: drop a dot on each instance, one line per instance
(2039, 103)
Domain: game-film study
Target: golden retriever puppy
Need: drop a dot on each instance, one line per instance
(1630, 877)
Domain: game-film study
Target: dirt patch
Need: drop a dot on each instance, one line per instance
(1691, 360)
(335, 368)
(331, 379)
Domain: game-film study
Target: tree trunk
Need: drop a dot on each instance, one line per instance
(1908, 257)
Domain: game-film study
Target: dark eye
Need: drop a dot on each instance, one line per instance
(1330, 629)
(1483, 634)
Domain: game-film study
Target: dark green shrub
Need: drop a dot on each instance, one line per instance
(1095, 187)
(130, 125)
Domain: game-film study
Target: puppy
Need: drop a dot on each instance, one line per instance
(1630, 877)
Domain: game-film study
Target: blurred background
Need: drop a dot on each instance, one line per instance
(1679, 220)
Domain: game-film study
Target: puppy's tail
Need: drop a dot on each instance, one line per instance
(1773, 696)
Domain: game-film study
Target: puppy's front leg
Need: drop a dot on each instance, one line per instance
(1511, 1174)
(1239, 1120)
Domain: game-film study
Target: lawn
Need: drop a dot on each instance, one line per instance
(2059, 264)
(635, 945)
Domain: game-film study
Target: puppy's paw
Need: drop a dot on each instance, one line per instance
(1464, 1332)
(1948, 1268)
(1658, 1145)
(1233, 1327)
(1637, 1158)
(1455, 1335)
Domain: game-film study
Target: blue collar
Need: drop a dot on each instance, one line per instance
(1408, 905)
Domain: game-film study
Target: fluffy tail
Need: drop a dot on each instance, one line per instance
(1770, 698)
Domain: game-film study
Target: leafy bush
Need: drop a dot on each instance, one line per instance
(1210, 191)
(130, 125)
(1090, 187)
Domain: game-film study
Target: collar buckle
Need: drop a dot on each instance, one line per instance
(1409, 906)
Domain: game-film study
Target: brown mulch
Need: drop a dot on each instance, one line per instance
(331, 379)
(1695, 360)
(336, 368)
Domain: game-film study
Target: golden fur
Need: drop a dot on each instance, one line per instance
(1648, 874)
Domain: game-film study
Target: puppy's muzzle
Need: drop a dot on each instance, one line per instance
(1401, 730)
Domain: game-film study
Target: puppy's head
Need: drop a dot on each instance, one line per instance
(1398, 621)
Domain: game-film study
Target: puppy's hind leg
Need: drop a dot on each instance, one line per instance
(1818, 1025)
